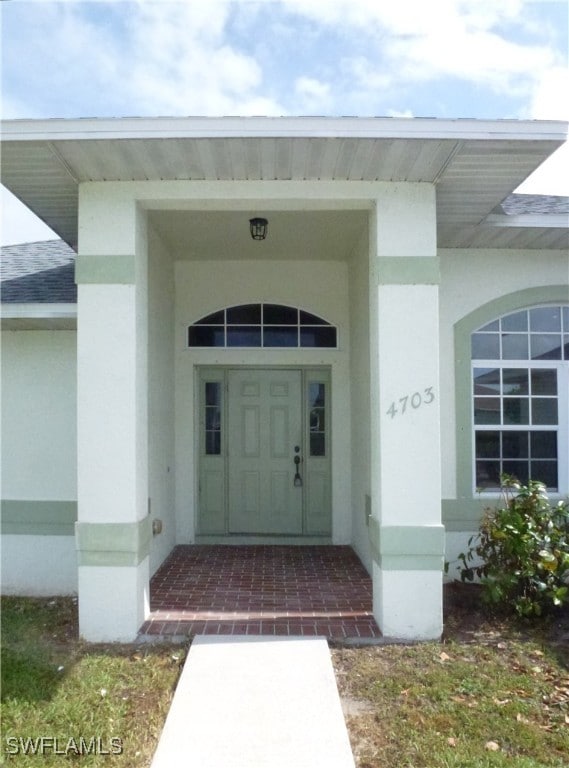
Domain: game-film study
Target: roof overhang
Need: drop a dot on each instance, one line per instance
(474, 163)
(38, 316)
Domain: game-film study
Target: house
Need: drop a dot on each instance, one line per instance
(357, 367)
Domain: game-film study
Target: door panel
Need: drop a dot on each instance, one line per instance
(265, 425)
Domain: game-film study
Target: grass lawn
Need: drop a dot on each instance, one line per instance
(493, 693)
(58, 688)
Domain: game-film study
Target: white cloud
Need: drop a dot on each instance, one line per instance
(399, 113)
(141, 58)
(551, 178)
(180, 62)
(313, 96)
(18, 224)
(549, 99)
(413, 42)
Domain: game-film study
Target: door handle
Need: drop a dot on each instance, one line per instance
(297, 478)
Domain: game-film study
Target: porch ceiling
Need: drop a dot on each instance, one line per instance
(475, 164)
(292, 235)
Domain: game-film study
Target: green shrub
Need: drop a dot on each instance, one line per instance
(523, 550)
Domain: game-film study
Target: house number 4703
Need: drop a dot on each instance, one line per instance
(414, 401)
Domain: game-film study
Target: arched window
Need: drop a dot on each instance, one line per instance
(520, 386)
(262, 325)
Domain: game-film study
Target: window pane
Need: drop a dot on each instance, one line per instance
(515, 381)
(545, 472)
(213, 393)
(306, 318)
(213, 443)
(316, 395)
(543, 410)
(485, 346)
(545, 346)
(519, 469)
(515, 445)
(543, 445)
(565, 313)
(243, 336)
(544, 381)
(545, 319)
(486, 381)
(286, 336)
(493, 326)
(318, 337)
(488, 474)
(275, 314)
(566, 346)
(487, 445)
(516, 322)
(206, 336)
(212, 419)
(516, 410)
(514, 346)
(486, 410)
(317, 444)
(217, 318)
(317, 420)
(246, 314)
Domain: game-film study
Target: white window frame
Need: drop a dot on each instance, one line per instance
(562, 427)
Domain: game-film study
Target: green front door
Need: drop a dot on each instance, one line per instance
(265, 436)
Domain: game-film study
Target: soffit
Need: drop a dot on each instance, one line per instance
(475, 164)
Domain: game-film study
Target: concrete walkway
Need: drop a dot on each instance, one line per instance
(255, 702)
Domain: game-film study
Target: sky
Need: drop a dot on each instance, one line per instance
(487, 59)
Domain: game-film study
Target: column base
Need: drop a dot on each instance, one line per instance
(408, 605)
(114, 601)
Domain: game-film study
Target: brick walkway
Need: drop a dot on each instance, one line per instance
(261, 590)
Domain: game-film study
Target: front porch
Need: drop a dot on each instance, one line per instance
(261, 590)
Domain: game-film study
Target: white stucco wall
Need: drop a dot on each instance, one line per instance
(39, 455)
(360, 398)
(161, 459)
(38, 566)
(320, 287)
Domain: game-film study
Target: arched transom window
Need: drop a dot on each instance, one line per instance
(262, 325)
(520, 375)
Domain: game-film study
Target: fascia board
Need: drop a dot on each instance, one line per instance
(37, 310)
(57, 129)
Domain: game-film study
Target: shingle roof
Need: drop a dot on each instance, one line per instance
(42, 272)
(518, 205)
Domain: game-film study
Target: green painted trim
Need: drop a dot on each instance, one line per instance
(407, 547)
(412, 563)
(409, 270)
(549, 294)
(111, 544)
(119, 270)
(38, 518)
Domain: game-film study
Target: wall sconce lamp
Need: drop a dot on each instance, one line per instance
(258, 228)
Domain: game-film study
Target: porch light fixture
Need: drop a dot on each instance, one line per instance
(258, 228)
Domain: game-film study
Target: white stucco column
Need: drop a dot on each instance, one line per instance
(406, 533)
(113, 529)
